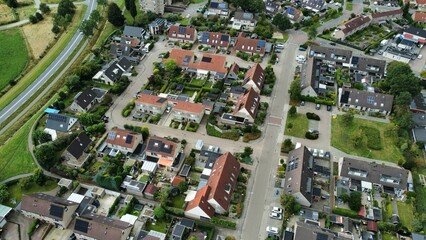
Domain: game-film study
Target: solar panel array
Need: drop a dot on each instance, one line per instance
(81, 226)
(58, 117)
(111, 135)
(224, 38)
(371, 99)
(129, 139)
(186, 60)
(204, 37)
(161, 100)
(56, 211)
(261, 44)
(206, 59)
(293, 165)
(182, 30)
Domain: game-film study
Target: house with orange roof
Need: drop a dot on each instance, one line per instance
(250, 46)
(162, 151)
(123, 140)
(419, 3)
(151, 104)
(247, 106)
(419, 16)
(182, 57)
(215, 197)
(254, 78)
(215, 40)
(187, 111)
(182, 34)
(177, 179)
(233, 72)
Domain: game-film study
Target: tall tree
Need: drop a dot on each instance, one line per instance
(400, 78)
(12, 3)
(115, 17)
(44, 8)
(66, 7)
(295, 89)
(95, 15)
(4, 193)
(87, 27)
(355, 201)
(282, 22)
(39, 177)
(131, 7)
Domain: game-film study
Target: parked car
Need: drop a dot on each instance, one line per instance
(277, 210)
(278, 216)
(302, 103)
(333, 43)
(327, 155)
(329, 108)
(168, 109)
(318, 106)
(279, 46)
(302, 49)
(278, 51)
(270, 229)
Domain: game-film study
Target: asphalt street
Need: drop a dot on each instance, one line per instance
(23, 97)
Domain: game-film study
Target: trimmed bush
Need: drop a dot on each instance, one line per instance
(223, 223)
(312, 116)
(345, 212)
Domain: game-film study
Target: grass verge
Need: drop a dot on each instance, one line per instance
(13, 55)
(46, 61)
(341, 138)
(297, 125)
(16, 192)
(406, 213)
(349, 6)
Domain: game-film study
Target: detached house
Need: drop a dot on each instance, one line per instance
(93, 226)
(114, 72)
(215, 40)
(247, 106)
(243, 21)
(416, 35)
(251, 46)
(187, 111)
(162, 151)
(300, 175)
(157, 26)
(254, 78)
(352, 26)
(123, 140)
(216, 196)
(293, 14)
(150, 104)
(182, 34)
(233, 72)
(314, 5)
(419, 17)
(77, 152)
(53, 210)
(365, 101)
(85, 100)
(58, 123)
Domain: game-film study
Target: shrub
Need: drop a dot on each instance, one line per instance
(33, 227)
(312, 116)
(223, 223)
(175, 211)
(114, 206)
(287, 146)
(192, 127)
(251, 136)
(345, 212)
(374, 141)
(292, 111)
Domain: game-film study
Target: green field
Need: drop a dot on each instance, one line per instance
(341, 139)
(46, 61)
(16, 192)
(13, 55)
(300, 125)
(406, 213)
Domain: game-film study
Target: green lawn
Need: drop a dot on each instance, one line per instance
(300, 125)
(178, 201)
(120, 3)
(144, 178)
(208, 84)
(13, 55)
(389, 236)
(349, 6)
(197, 1)
(282, 40)
(96, 166)
(46, 61)
(26, 11)
(159, 226)
(198, 82)
(184, 21)
(341, 139)
(16, 192)
(406, 213)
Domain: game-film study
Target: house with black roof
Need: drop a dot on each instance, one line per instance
(157, 26)
(217, 8)
(60, 122)
(178, 232)
(133, 187)
(243, 21)
(134, 32)
(84, 101)
(365, 100)
(77, 152)
(271, 7)
(114, 72)
(314, 5)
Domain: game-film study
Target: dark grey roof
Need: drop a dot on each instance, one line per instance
(157, 145)
(393, 177)
(78, 145)
(299, 172)
(316, 192)
(305, 231)
(418, 236)
(314, 4)
(83, 205)
(117, 68)
(85, 98)
(244, 16)
(136, 186)
(219, 5)
(211, 157)
(157, 22)
(59, 122)
(331, 54)
(416, 31)
(178, 231)
(142, 234)
(288, 235)
(237, 90)
(370, 65)
(419, 134)
(377, 214)
(419, 102)
(367, 99)
(133, 31)
(185, 170)
(188, 223)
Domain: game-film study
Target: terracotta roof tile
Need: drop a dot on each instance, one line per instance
(188, 106)
(151, 99)
(176, 180)
(179, 55)
(123, 138)
(200, 200)
(419, 17)
(387, 13)
(215, 39)
(161, 146)
(184, 33)
(250, 45)
(208, 62)
(255, 74)
(355, 23)
(249, 102)
(150, 189)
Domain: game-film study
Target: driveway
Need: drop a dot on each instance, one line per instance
(16, 223)
(357, 9)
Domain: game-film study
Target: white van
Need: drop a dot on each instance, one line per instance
(146, 48)
(279, 46)
(300, 58)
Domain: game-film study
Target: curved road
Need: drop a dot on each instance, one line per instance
(23, 97)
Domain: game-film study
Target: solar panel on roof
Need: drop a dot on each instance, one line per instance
(224, 38)
(182, 30)
(261, 44)
(81, 226)
(161, 100)
(204, 37)
(206, 59)
(247, 15)
(111, 135)
(214, 4)
(129, 139)
(290, 11)
(222, 5)
(371, 99)
(56, 211)
(355, 60)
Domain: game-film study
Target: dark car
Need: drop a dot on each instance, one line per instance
(327, 155)
(329, 108)
(333, 43)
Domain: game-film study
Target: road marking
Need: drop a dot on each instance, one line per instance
(42, 79)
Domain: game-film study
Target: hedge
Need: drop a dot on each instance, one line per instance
(345, 212)
(223, 223)
(164, 87)
(211, 131)
(311, 136)
(324, 102)
(192, 127)
(33, 227)
(251, 136)
(114, 206)
(128, 109)
(175, 211)
(312, 116)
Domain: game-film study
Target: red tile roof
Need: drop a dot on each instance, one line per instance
(150, 189)
(151, 99)
(419, 17)
(372, 226)
(161, 146)
(184, 33)
(188, 106)
(176, 180)
(179, 55)
(223, 179)
(256, 74)
(217, 39)
(200, 200)
(235, 68)
(387, 13)
(249, 45)
(120, 137)
(421, 1)
(248, 101)
(355, 23)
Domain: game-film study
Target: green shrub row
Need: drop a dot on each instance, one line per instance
(223, 223)
(345, 212)
(312, 116)
(33, 227)
(128, 109)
